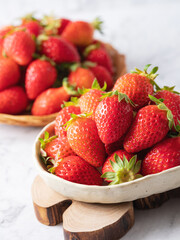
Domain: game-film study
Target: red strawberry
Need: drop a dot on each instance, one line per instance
(9, 73)
(13, 100)
(59, 50)
(49, 101)
(52, 26)
(121, 167)
(98, 54)
(150, 126)
(113, 116)
(164, 155)
(90, 99)
(81, 78)
(40, 75)
(172, 101)
(63, 24)
(81, 33)
(1, 46)
(3, 32)
(137, 86)
(103, 76)
(75, 169)
(55, 148)
(33, 27)
(20, 47)
(63, 117)
(112, 147)
(83, 138)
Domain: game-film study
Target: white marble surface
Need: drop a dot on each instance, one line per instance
(147, 32)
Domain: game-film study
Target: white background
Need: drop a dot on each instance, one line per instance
(146, 32)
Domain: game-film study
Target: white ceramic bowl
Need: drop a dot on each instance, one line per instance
(125, 192)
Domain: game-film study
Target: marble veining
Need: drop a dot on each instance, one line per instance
(147, 32)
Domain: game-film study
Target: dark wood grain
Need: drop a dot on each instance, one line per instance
(156, 200)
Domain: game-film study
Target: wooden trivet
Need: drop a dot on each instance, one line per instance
(85, 221)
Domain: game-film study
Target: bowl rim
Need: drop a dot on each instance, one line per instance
(39, 167)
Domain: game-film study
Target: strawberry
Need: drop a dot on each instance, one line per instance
(59, 50)
(83, 138)
(40, 75)
(62, 117)
(75, 169)
(3, 32)
(9, 73)
(52, 26)
(13, 100)
(151, 124)
(90, 99)
(81, 33)
(49, 101)
(20, 46)
(81, 78)
(171, 100)
(98, 54)
(137, 85)
(121, 167)
(103, 76)
(33, 27)
(112, 147)
(55, 148)
(113, 116)
(164, 155)
(63, 24)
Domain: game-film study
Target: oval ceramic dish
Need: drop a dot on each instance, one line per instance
(125, 192)
(30, 120)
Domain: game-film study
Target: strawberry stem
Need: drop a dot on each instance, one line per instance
(74, 102)
(90, 48)
(74, 117)
(121, 96)
(124, 171)
(97, 24)
(70, 88)
(46, 140)
(95, 85)
(88, 64)
(152, 75)
(162, 106)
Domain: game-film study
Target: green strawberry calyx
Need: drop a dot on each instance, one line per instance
(44, 58)
(162, 106)
(95, 85)
(50, 24)
(70, 88)
(152, 75)
(121, 96)
(29, 17)
(46, 139)
(41, 37)
(97, 24)
(88, 64)
(165, 88)
(123, 171)
(74, 102)
(74, 117)
(53, 165)
(90, 48)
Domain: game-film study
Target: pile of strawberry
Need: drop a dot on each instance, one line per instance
(37, 55)
(114, 130)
